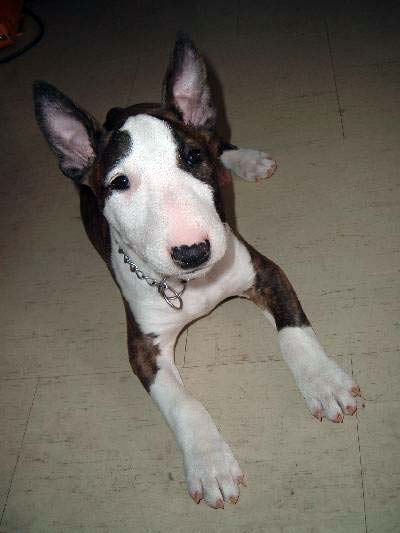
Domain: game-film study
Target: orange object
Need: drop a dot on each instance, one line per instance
(10, 21)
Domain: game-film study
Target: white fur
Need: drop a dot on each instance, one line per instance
(230, 276)
(250, 165)
(162, 198)
(325, 387)
(211, 470)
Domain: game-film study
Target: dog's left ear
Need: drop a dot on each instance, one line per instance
(185, 85)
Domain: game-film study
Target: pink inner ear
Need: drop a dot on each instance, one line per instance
(70, 137)
(191, 93)
(188, 83)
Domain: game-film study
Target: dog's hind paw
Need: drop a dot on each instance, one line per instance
(250, 165)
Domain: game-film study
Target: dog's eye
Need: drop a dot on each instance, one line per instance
(120, 183)
(194, 157)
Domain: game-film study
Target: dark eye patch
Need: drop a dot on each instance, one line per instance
(118, 147)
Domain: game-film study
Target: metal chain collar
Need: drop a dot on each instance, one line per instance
(170, 295)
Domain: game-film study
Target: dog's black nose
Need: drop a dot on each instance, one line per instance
(191, 256)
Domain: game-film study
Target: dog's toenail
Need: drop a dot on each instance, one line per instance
(196, 497)
(219, 504)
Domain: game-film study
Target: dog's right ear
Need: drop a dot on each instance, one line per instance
(185, 85)
(71, 132)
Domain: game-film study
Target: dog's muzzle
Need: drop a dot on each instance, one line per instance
(191, 256)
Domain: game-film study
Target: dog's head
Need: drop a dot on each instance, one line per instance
(153, 168)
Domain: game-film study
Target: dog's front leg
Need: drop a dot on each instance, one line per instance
(327, 389)
(212, 472)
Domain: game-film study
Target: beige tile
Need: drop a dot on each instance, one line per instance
(363, 33)
(79, 451)
(276, 436)
(287, 17)
(236, 332)
(329, 218)
(58, 322)
(98, 456)
(369, 96)
(279, 90)
(379, 431)
(379, 441)
(380, 372)
(299, 121)
(16, 399)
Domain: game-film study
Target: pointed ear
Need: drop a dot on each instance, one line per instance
(71, 132)
(185, 85)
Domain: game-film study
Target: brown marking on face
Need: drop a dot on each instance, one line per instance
(143, 352)
(117, 116)
(95, 224)
(273, 291)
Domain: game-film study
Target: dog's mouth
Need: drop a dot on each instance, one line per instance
(199, 272)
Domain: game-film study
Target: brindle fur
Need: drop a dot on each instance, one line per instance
(142, 351)
(273, 291)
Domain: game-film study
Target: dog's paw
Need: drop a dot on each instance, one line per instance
(251, 165)
(329, 392)
(213, 474)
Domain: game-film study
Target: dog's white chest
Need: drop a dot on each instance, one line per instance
(230, 276)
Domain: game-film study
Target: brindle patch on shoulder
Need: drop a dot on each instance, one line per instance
(273, 291)
(143, 351)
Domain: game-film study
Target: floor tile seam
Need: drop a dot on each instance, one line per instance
(43, 377)
(360, 457)
(334, 76)
(19, 452)
(125, 58)
(343, 69)
(337, 357)
(185, 347)
(280, 100)
(18, 378)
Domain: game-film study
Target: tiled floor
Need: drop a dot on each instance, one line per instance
(82, 447)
